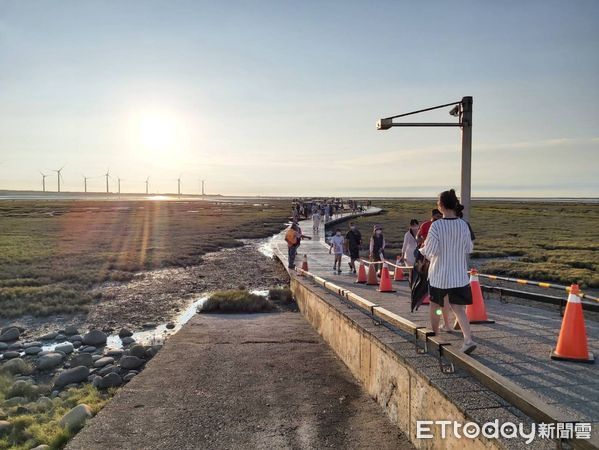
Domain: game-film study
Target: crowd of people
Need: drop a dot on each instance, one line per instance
(326, 209)
(436, 252)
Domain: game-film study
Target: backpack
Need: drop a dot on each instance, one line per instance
(291, 237)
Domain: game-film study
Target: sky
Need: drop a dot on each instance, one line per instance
(282, 97)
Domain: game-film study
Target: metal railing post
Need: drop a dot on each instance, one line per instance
(466, 154)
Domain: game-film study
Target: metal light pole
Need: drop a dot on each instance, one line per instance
(462, 110)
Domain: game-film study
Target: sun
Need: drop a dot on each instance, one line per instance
(158, 131)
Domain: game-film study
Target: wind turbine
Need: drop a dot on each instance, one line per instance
(179, 186)
(59, 176)
(107, 175)
(147, 182)
(119, 183)
(85, 183)
(43, 181)
(203, 193)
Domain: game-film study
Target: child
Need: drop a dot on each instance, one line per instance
(337, 243)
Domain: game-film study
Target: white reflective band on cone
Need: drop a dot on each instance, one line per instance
(573, 298)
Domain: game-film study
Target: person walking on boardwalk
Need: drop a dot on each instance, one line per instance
(293, 237)
(315, 221)
(353, 242)
(337, 243)
(377, 245)
(447, 246)
(423, 230)
(410, 244)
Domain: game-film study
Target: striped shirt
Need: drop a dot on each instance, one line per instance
(447, 247)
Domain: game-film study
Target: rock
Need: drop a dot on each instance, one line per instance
(75, 337)
(33, 350)
(106, 370)
(41, 447)
(95, 338)
(97, 380)
(11, 354)
(96, 357)
(149, 325)
(10, 334)
(128, 377)
(48, 336)
(137, 350)
(127, 341)
(111, 380)
(49, 361)
(76, 344)
(16, 366)
(170, 326)
(32, 344)
(131, 362)
(76, 417)
(115, 352)
(44, 403)
(16, 346)
(3, 346)
(60, 338)
(3, 415)
(70, 330)
(88, 349)
(151, 352)
(4, 427)
(65, 348)
(125, 333)
(82, 359)
(69, 376)
(104, 361)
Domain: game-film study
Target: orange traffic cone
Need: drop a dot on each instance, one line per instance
(372, 280)
(361, 274)
(476, 312)
(304, 265)
(398, 275)
(385, 285)
(572, 341)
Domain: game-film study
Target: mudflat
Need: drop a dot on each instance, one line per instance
(242, 381)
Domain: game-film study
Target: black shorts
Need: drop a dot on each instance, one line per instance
(354, 253)
(457, 296)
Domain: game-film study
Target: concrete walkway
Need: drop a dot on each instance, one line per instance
(517, 346)
(264, 381)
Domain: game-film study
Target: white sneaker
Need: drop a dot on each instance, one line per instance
(468, 347)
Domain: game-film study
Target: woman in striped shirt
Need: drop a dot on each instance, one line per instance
(447, 247)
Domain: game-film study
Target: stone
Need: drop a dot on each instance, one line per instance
(4, 427)
(48, 336)
(76, 344)
(21, 329)
(106, 370)
(111, 380)
(67, 347)
(60, 338)
(128, 377)
(131, 362)
(71, 330)
(3, 346)
(170, 326)
(75, 337)
(127, 341)
(96, 382)
(96, 357)
(42, 447)
(3, 415)
(33, 350)
(44, 403)
(49, 361)
(137, 350)
(115, 352)
(125, 333)
(16, 346)
(88, 349)
(104, 361)
(69, 376)
(82, 359)
(16, 366)
(149, 325)
(10, 334)
(95, 338)
(11, 354)
(32, 344)
(76, 417)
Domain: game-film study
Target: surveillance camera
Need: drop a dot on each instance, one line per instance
(455, 111)
(384, 124)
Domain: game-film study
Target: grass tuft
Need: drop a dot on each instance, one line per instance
(236, 301)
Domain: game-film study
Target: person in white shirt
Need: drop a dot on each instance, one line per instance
(337, 243)
(315, 221)
(447, 247)
(409, 245)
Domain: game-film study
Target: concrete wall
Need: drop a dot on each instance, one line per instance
(400, 388)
